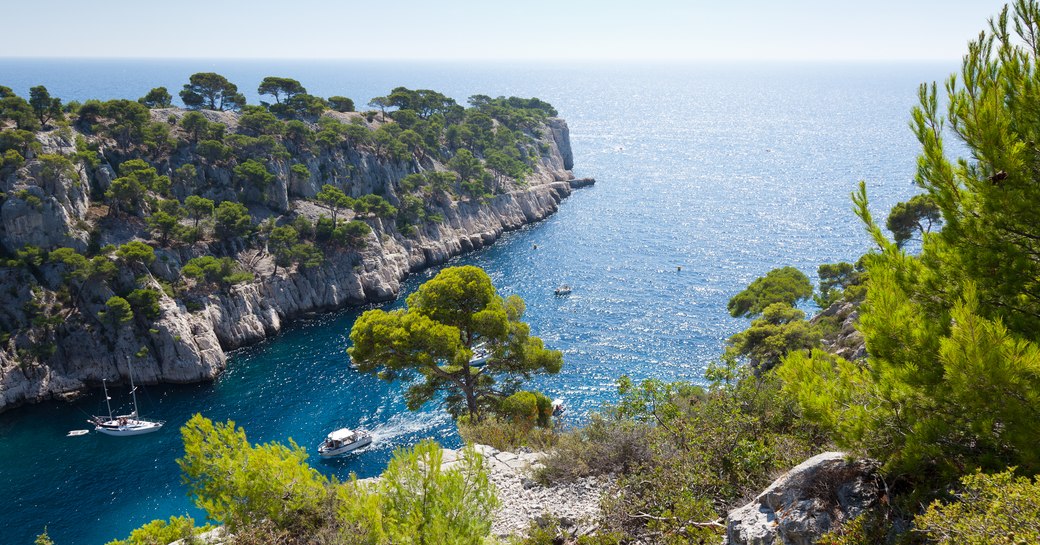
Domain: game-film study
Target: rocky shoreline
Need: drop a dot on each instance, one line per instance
(191, 345)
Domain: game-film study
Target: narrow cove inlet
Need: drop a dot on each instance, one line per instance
(693, 200)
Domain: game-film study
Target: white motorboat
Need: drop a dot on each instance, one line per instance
(342, 441)
(481, 353)
(564, 289)
(558, 408)
(127, 424)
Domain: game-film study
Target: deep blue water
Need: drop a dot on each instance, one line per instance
(725, 170)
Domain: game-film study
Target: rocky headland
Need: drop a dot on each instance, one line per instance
(190, 338)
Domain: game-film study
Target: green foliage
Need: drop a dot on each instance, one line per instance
(18, 110)
(350, 235)
(117, 311)
(53, 168)
(433, 340)
(136, 252)
(548, 532)
(185, 174)
(260, 148)
(307, 255)
(504, 434)
(254, 173)
(301, 106)
(527, 408)
(232, 220)
(77, 266)
(137, 177)
(299, 134)
(125, 121)
(161, 532)
(299, 172)
(917, 214)
(11, 160)
(166, 220)
(466, 166)
(200, 128)
(334, 200)
(158, 97)
(44, 106)
(258, 121)
(375, 205)
(423, 504)
(836, 279)
(43, 539)
(23, 142)
(212, 92)
(991, 509)
(145, 302)
(198, 208)
(222, 271)
(784, 285)
(280, 87)
(341, 104)
(237, 483)
(423, 102)
(778, 331)
(281, 243)
(683, 455)
(952, 378)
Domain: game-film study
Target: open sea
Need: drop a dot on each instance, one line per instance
(724, 170)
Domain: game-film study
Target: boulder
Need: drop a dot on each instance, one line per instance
(808, 501)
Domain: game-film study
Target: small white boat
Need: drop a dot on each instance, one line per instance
(127, 424)
(564, 289)
(481, 353)
(558, 408)
(342, 441)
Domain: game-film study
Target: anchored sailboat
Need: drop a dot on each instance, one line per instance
(127, 424)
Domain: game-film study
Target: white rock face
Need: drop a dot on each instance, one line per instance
(523, 500)
(806, 502)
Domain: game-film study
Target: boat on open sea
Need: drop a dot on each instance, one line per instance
(126, 424)
(343, 441)
(564, 289)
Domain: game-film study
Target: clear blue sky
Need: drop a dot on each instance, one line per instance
(495, 29)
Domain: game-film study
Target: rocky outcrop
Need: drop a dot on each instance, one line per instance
(575, 504)
(808, 501)
(846, 341)
(191, 344)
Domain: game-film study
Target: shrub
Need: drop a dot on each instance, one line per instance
(991, 508)
(162, 532)
(505, 435)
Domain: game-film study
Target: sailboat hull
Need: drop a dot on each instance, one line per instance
(133, 427)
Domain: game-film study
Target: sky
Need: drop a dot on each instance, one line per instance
(901, 30)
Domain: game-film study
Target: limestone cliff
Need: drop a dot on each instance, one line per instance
(67, 351)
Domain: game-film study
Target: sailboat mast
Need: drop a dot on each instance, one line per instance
(104, 384)
(133, 389)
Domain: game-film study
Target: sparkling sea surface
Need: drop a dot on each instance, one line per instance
(726, 171)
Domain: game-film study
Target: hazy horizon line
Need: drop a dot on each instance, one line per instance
(665, 60)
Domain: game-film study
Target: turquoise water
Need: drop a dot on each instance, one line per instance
(724, 171)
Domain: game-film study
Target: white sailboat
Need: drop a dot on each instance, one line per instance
(126, 424)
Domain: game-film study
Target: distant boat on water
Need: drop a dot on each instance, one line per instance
(343, 441)
(127, 424)
(564, 289)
